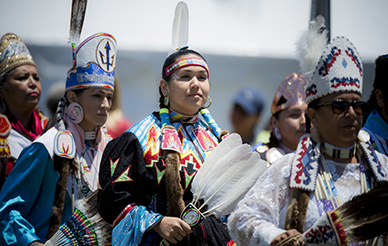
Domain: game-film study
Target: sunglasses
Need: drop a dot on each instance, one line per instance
(339, 107)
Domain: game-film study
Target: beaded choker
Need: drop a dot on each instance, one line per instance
(341, 153)
(183, 118)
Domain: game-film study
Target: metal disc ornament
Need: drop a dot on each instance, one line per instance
(191, 215)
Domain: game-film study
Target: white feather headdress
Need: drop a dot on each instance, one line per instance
(78, 10)
(330, 68)
(180, 27)
(310, 46)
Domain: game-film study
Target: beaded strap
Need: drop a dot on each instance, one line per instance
(164, 116)
(211, 122)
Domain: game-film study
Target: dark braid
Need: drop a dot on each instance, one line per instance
(372, 105)
(63, 166)
(273, 141)
(161, 99)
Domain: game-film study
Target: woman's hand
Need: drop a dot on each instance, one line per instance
(288, 238)
(172, 229)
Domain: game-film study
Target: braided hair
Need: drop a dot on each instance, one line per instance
(63, 166)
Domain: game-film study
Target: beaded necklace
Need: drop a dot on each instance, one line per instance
(326, 193)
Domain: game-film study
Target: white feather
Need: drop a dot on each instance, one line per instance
(228, 187)
(233, 191)
(229, 143)
(77, 19)
(229, 174)
(206, 170)
(180, 27)
(310, 46)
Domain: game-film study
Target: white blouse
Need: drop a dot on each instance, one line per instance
(259, 217)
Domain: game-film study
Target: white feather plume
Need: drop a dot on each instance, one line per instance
(180, 27)
(204, 174)
(78, 10)
(226, 175)
(310, 46)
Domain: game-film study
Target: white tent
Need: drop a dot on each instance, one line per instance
(246, 42)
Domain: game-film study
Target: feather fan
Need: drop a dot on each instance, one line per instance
(226, 175)
(85, 227)
(78, 9)
(202, 177)
(362, 218)
(180, 27)
(310, 46)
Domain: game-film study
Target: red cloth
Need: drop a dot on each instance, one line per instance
(32, 130)
(120, 126)
(34, 127)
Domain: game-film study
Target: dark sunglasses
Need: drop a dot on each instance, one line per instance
(339, 107)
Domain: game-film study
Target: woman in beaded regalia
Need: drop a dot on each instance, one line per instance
(330, 166)
(20, 89)
(62, 166)
(147, 172)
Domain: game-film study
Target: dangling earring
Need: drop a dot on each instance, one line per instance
(210, 103)
(3, 106)
(75, 112)
(277, 134)
(166, 100)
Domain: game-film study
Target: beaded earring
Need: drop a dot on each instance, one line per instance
(276, 132)
(166, 100)
(75, 112)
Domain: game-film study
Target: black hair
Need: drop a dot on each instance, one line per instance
(170, 60)
(3, 78)
(381, 83)
(273, 141)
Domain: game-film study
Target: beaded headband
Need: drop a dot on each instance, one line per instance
(190, 61)
(13, 53)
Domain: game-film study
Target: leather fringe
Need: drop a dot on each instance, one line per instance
(173, 183)
(297, 210)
